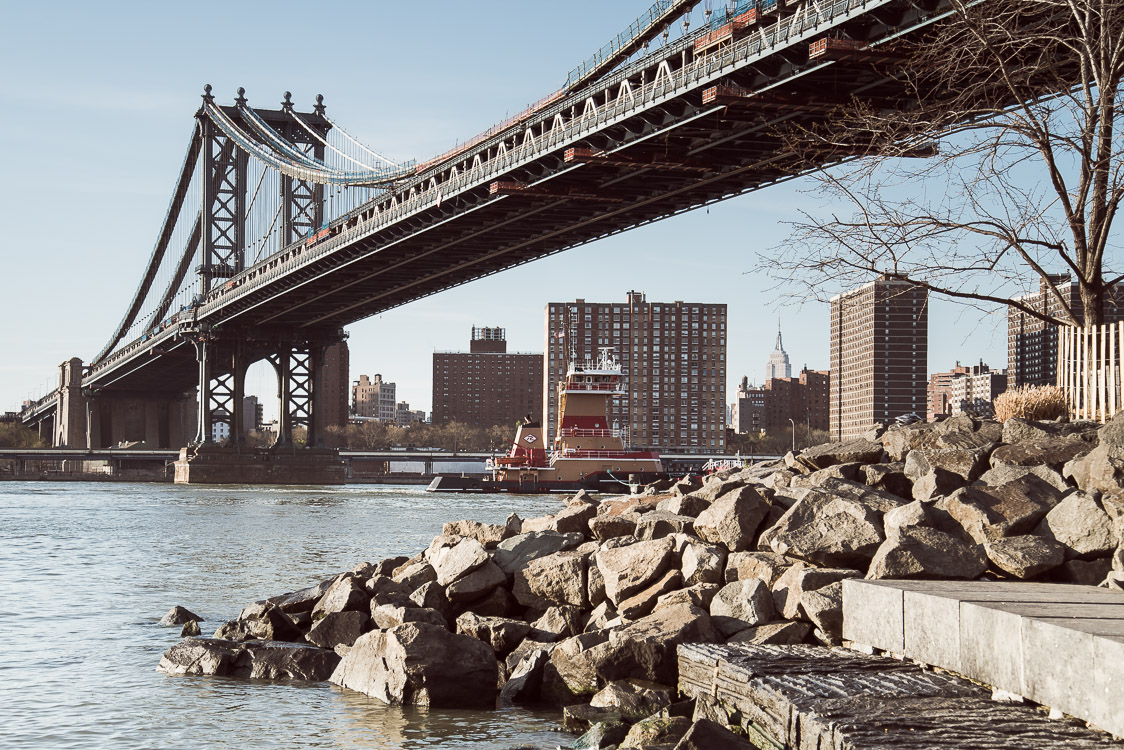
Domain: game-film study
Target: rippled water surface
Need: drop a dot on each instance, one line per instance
(87, 569)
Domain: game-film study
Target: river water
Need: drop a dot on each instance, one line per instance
(87, 570)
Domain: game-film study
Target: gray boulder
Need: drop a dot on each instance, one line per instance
(1024, 556)
(705, 734)
(386, 616)
(630, 569)
(1003, 473)
(828, 530)
(920, 552)
(889, 477)
(741, 604)
(257, 659)
(1080, 524)
(1052, 452)
(526, 678)
(633, 699)
(702, 563)
(1008, 510)
(608, 527)
(477, 584)
(766, 566)
(559, 578)
(337, 628)
(783, 633)
(658, 524)
(683, 505)
(345, 594)
(850, 451)
(655, 732)
(644, 601)
(700, 595)
(421, 664)
(501, 633)
(455, 557)
(304, 599)
(515, 552)
(733, 519)
(178, 615)
(488, 534)
(791, 589)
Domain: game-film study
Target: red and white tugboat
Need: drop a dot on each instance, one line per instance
(588, 453)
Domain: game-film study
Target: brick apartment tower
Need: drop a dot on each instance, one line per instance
(879, 350)
(1032, 344)
(487, 385)
(673, 355)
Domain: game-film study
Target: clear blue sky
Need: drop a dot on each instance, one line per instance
(100, 97)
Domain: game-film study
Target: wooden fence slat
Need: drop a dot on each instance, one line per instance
(1101, 384)
(1111, 371)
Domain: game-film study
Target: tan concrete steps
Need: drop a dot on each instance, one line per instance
(1060, 645)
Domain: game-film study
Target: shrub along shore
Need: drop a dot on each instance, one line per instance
(584, 609)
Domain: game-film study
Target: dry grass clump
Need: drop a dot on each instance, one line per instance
(1031, 402)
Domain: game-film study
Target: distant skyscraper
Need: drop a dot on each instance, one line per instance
(879, 351)
(778, 365)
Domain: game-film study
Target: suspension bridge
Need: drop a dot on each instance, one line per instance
(283, 228)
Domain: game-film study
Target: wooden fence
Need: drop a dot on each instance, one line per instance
(1089, 370)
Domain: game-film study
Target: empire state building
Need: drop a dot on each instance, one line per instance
(778, 365)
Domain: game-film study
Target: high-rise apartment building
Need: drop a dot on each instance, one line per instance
(673, 355)
(879, 347)
(803, 400)
(374, 398)
(487, 385)
(974, 391)
(778, 365)
(1032, 343)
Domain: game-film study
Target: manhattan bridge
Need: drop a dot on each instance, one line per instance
(283, 228)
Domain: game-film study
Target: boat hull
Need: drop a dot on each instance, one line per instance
(596, 482)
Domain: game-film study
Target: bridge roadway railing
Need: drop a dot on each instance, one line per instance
(794, 29)
(705, 70)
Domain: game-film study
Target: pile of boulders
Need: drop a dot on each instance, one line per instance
(584, 609)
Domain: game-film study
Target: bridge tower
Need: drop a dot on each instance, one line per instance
(224, 353)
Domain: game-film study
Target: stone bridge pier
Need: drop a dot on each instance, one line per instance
(223, 358)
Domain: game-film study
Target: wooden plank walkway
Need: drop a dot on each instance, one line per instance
(816, 698)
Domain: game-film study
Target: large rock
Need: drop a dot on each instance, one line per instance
(1080, 524)
(633, 699)
(1017, 430)
(936, 482)
(1010, 509)
(644, 601)
(630, 569)
(1100, 470)
(178, 615)
(421, 664)
(259, 659)
(608, 527)
(304, 599)
(501, 633)
(714, 487)
(684, 505)
(741, 604)
(920, 552)
(453, 558)
(414, 573)
(783, 633)
(386, 616)
(702, 563)
(477, 584)
(658, 524)
(262, 621)
(646, 648)
(515, 552)
(700, 595)
(554, 579)
(1003, 473)
(824, 609)
(1024, 556)
(526, 678)
(347, 593)
(827, 530)
(656, 732)
(1052, 452)
(337, 628)
(488, 534)
(705, 734)
(850, 451)
(791, 588)
(767, 566)
(733, 519)
(889, 477)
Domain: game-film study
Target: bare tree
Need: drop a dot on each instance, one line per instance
(1021, 99)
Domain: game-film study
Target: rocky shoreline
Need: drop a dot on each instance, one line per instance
(584, 609)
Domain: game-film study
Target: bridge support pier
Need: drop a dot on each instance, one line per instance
(220, 455)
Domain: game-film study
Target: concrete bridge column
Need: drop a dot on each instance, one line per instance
(70, 420)
(202, 355)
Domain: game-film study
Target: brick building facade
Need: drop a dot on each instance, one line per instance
(487, 385)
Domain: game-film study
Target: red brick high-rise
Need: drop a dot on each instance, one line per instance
(673, 355)
(487, 385)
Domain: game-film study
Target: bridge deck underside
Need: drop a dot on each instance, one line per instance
(671, 158)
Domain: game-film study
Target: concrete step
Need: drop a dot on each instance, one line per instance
(1060, 645)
